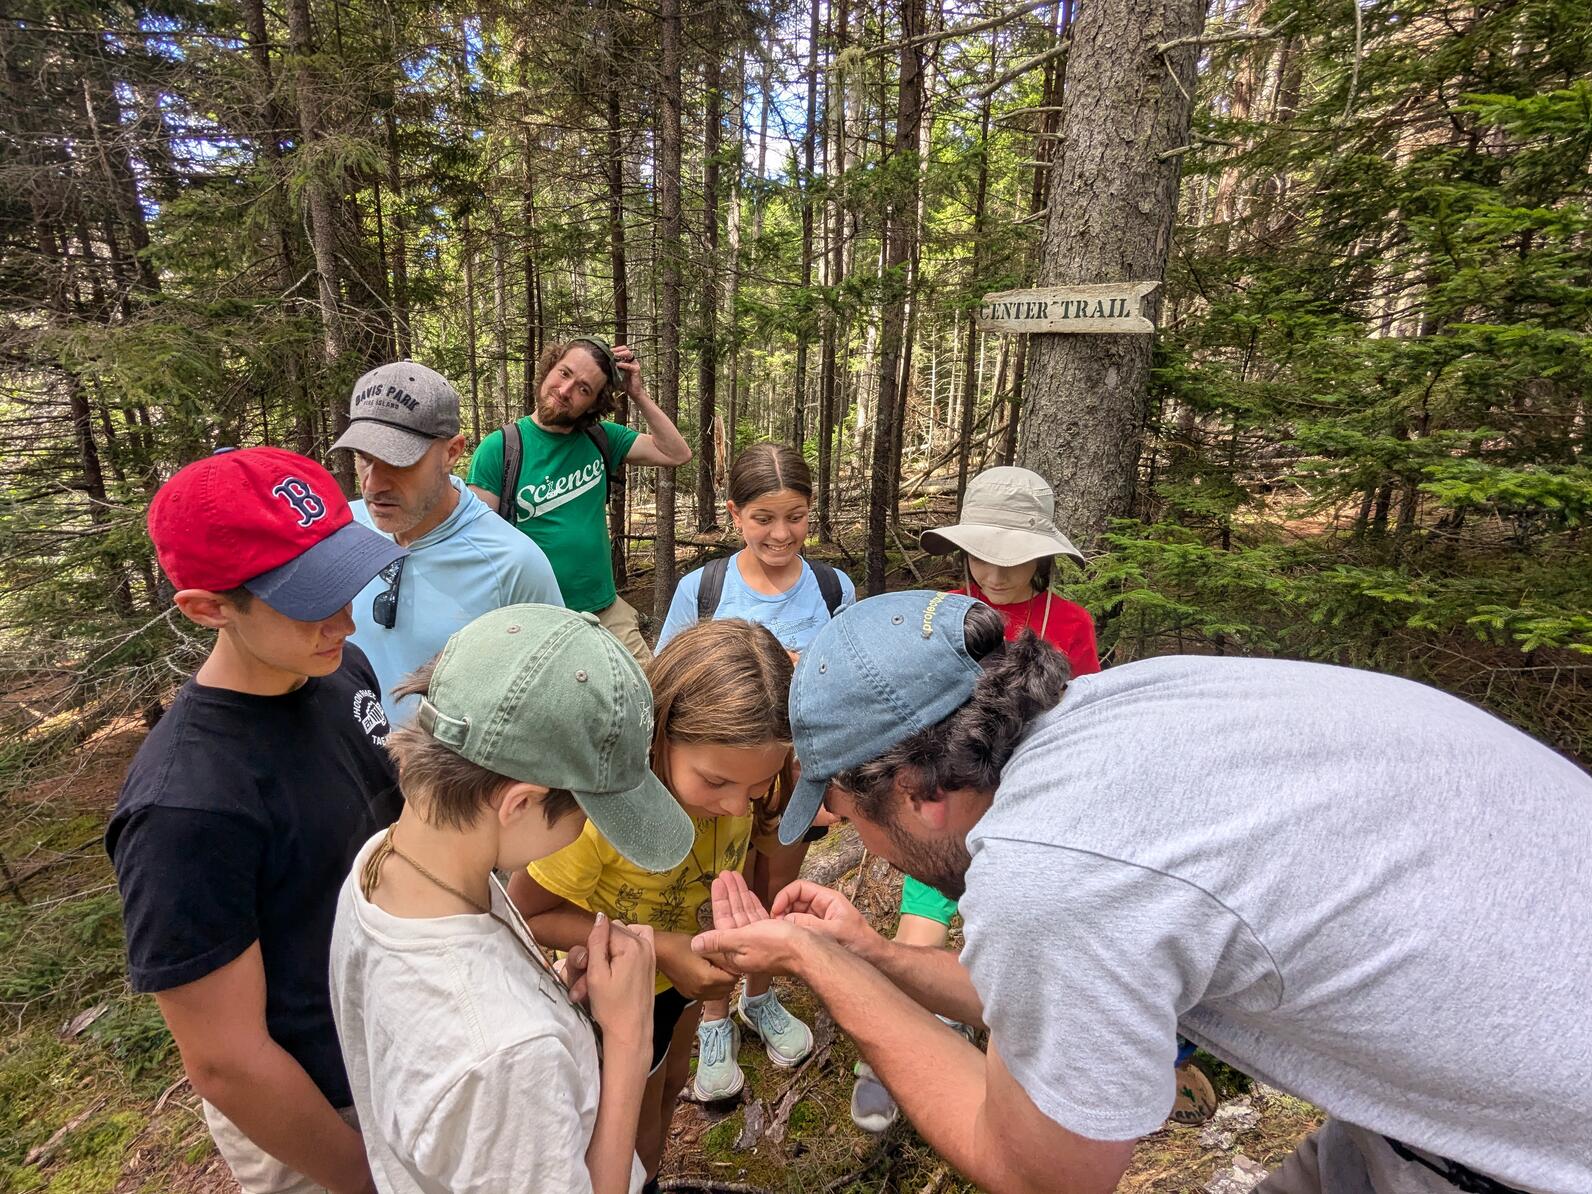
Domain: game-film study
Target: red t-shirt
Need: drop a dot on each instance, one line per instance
(1061, 623)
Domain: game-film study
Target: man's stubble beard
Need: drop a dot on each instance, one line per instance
(413, 518)
(942, 863)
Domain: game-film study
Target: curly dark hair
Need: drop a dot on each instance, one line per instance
(554, 353)
(968, 749)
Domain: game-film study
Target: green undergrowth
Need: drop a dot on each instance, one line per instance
(79, 1050)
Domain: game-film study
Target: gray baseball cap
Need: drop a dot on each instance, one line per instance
(547, 696)
(874, 675)
(397, 411)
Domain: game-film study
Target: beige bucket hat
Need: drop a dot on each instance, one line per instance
(1008, 518)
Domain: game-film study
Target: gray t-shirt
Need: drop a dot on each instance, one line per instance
(1351, 886)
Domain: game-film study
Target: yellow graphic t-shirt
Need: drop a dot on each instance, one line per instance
(591, 873)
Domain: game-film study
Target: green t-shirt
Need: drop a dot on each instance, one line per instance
(559, 504)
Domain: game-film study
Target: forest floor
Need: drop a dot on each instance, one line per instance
(93, 1100)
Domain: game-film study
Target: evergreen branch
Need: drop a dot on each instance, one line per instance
(1213, 39)
(958, 30)
(1022, 68)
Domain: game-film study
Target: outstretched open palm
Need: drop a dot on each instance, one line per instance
(745, 939)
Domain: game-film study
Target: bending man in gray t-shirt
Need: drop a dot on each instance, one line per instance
(1353, 887)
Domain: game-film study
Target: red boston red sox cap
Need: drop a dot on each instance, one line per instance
(270, 521)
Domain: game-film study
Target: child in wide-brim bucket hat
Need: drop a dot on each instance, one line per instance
(1008, 541)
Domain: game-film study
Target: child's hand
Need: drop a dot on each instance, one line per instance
(572, 969)
(692, 975)
(735, 905)
(619, 978)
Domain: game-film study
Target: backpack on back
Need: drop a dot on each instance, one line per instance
(514, 453)
(714, 571)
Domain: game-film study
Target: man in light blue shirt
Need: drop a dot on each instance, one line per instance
(463, 560)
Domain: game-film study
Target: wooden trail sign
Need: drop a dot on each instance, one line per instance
(1104, 308)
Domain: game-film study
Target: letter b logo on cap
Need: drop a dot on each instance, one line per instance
(306, 503)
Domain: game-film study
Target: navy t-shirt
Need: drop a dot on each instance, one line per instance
(238, 821)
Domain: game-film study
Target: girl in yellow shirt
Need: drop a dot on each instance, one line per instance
(722, 745)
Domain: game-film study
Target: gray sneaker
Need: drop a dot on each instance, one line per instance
(872, 1108)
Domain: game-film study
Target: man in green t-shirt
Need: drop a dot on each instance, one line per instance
(562, 485)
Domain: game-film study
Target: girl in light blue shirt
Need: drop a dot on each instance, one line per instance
(767, 581)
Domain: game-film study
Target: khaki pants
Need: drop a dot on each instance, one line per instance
(257, 1171)
(623, 622)
(1339, 1158)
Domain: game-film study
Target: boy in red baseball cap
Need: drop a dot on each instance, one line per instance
(246, 805)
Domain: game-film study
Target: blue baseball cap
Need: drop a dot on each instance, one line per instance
(876, 674)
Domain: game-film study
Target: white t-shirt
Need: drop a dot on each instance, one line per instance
(471, 1071)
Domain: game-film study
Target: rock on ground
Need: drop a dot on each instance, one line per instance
(1242, 1176)
(1231, 1119)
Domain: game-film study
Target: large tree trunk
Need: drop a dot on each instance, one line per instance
(907, 385)
(618, 491)
(707, 353)
(271, 125)
(900, 215)
(669, 316)
(832, 396)
(400, 236)
(964, 430)
(1113, 196)
(500, 319)
(732, 221)
(323, 221)
(809, 136)
(467, 249)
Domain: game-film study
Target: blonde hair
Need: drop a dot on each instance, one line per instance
(724, 682)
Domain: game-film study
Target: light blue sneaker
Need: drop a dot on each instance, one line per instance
(785, 1039)
(718, 1076)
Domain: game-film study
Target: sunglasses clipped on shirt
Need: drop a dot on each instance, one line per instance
(384, 607)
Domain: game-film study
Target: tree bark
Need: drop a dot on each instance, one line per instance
(707, 353)
(500, 319)
(400, 234)
(271, 124)
(618, 491)
(669, 315)
(467, 249)
(805, 194)
(964, 431)
(732, 222)
(832, 392)
(323, 225)
(900, 214)
(1113, 198)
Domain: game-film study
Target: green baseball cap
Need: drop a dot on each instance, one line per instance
(547, 696)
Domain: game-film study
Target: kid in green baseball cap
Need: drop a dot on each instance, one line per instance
(454, 1028)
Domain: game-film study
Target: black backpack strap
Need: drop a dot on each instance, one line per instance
(712, 588)
(613, 471)
(828, 584)
(513, 450)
